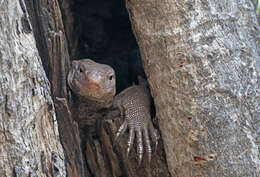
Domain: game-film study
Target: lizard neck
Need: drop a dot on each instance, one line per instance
(87, 112)
(92, 105)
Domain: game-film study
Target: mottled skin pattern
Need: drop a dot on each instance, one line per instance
(94, 87)
(95, 83)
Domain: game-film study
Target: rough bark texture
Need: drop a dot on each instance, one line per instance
(29, 139)
(52, 45)
(70, 28)
(202, 59)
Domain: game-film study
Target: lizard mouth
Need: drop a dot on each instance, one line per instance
(93, 91)
(102, 94)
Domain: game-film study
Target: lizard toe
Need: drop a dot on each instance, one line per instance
(140, 149)
(148, 144)
(130, 141)
(154, 134)
(120, 131)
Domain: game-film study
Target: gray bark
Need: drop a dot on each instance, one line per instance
(70, 29)
(202, 59)
(29, 138)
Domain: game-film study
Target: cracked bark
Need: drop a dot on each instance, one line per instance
(52, 45)
(29, 135)
(202, 62)
(202, 59)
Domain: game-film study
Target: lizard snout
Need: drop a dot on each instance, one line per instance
(93, 82)
(101, 85)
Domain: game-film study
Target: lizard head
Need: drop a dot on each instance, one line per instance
(91, 80)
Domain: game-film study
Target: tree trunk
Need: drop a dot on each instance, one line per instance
(70, 30)
(202, 59)
(52, 45)
(29, 138)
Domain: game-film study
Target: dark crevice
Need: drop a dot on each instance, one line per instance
(102, 32)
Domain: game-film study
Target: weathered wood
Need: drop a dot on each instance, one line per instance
(202, 59)
(29, 138)
(52, 45)
(71, 31)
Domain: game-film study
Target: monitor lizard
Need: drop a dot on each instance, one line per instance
(94, 83)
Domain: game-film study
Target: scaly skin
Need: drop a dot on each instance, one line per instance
(94, 88)
(96, 82)
(134, 104)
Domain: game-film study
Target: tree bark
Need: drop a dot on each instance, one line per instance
(29, 138)
(70, 30)
(52, 45)
(202, 59)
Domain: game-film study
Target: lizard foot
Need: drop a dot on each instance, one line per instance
(134, 106)
(140, 131)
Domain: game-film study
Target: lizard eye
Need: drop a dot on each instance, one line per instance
(111, 77)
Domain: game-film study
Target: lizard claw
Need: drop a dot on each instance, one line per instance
(139, 160)
(134, 105)
(154, 134)
(157, 137)
(120, 131)
(127, 153)
(148, 144)
(141, 132)
(140, 149)
(130, 141)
